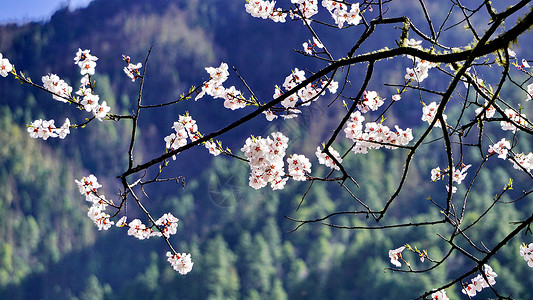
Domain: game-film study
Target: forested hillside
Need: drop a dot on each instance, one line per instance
(239, 237)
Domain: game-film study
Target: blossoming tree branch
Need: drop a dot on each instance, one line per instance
(487, 122)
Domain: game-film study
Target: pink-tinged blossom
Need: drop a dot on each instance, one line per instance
(233, 99)
(121, 222)
(101, 110)
(59, 88)
(265, 157)
(212, 147)
(90, 101)
(5, 66)
(526, 251)
(299, 166)
(396, 97)
(168, 224)
(529, 92)
(270, 115)
(326, 160)
(460, 174)
(132, 71)
(439, 295)
(371, 101)
(489, 111)
(181, 262)
(517, 118)
(501, 148)
(139, 230)
(46, 128)
(395, 256)
(309, 47)
(100, 218)
(522, 160)
(83, 56)
(219, 74)
(296, 77)
(436, 174)
(478, 283)
(428, 114)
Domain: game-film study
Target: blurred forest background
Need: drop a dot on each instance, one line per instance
(237, 236)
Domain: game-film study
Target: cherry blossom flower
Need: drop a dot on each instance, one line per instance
(522, 160)
(326, 160)
(181, 262)
(439, 295)
(299, 166)
(517, 118)
(501, 148)
(100, 111)
(489, 111)
(396, 97)
(436, 174)
(59, 88)
(168, 224)
(212, 147)
(526, 251)
(121, 222)
(428, 114)
(5, 66)
(46, 128)
(132, 71)
(395, 256)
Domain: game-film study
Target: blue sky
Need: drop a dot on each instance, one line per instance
(20, 11)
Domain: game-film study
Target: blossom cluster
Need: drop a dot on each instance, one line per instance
(306, 95)
(325, 159)
(371, 101)
(501, 148)
(88, 186)
(374, 135)
(5, 66)
(489, 111)
(458, 175)
(395, 256)
(524, 161)
(184, 128)
(439, 295)
(478, 283)
(339, 12)
(420, 71)
(265, 10)
(265, 157)
(309, 47)
(181, 262)
(429, 112)
(526, 251)
(233, 98)
(58, 87)
(517, 118)
(298, 166)
(166, 225)
(131, 70)
(46, 128)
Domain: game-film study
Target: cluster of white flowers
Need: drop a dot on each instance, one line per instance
(501, 148)
(523, 161)
(326, 160)
(309, 47)
(489, 112)
(58, 87)
(478, 283)
(339, 12)
(265, 10)
(213, 148)
(519, 119)
(371, 101)
(526, 251)
(86, 62)
(307, 94)
(44, 129)
(233, 98)
(395, 255)
(88, 186)
(529, 92)
(183, 128)
(167, 225)
(5, 66)
(265, 157)
(439, 295)
(131, 70)
(307, 8)
(422, 67)
(298, 166)
(428, 114)
(458, 175)
(374, 134)
(181, 262)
